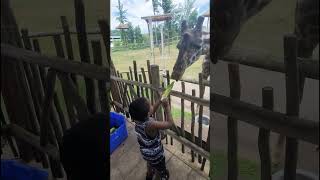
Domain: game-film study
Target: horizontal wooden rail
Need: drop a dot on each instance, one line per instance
(200, 101)
(259, 59)
(299, 128)
(31, 139)
(60, 64)
(189, 144)
(47, 34)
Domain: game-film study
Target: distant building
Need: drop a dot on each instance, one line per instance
(114, 38)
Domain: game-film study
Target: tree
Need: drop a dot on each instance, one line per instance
(167, 7)
(122, 13)
(138, 34)
(122, 18)
(130, 33)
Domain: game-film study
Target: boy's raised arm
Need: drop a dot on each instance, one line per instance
(155, 107)
(164, 124)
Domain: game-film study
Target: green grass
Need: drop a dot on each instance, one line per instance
(248, 170)
(176, 114)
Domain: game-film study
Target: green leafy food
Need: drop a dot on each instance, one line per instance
(168, 90)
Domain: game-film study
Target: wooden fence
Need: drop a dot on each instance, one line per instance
(34, 105)
(139, 82)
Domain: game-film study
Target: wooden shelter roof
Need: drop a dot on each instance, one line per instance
(206, 14)
(122, 26)
(162, 17)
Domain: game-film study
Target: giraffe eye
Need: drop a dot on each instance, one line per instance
(197, 46)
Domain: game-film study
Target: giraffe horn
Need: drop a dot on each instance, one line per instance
(184, 26)
(199, 23)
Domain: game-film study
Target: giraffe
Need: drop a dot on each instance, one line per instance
(228, 17)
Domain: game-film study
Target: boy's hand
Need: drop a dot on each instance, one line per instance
(165, 102)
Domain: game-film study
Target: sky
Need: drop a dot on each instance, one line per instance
(140, 8)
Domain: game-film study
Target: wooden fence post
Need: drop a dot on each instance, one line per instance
(169, 97)
(201, 93)
(182, 115)
(192, 123)
(84, 52)
(68, 42)
(145, 81)
(97, 57)
(235, 91)
(264, 137)
(156, 84)
(135, 71)
(293, 103)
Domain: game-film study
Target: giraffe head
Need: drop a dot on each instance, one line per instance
(190, 48)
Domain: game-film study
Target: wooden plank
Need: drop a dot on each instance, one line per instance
(194, 81)
(145, 81)
(189, 144)
(169, 97)
(141, 88)
(292, 101)
(182, 115)
(156, 84)
(36, 47)
(125, 95)
(59, 64)
(235, 93)
(105, 33)
(201, 93)
(13, 94)
(26, 39)
(300, 128)
(68, 43)
(207, 148)
(67, 37)
(192, 124)
(135, 72)
(129, 96)
(51, 80)
(264, 137)
(73, 96)
(32, 139)
(150, 79)
(10, 140)
(97, 57)
(60, 53)
(84, 52)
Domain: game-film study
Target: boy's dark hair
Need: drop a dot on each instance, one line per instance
(139, 109)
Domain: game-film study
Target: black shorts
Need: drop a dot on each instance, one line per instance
(160, 168)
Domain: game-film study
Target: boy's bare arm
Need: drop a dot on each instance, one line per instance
(160, 125)
(155, 107)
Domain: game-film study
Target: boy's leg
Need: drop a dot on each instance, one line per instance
(162, 169)
(150, 172)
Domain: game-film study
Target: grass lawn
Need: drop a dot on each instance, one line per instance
(248, 170)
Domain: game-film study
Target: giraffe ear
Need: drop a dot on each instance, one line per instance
(199, 24)
(184, 26)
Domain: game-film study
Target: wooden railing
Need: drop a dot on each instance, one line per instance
(39, 112)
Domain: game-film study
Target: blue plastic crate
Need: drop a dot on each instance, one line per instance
(121, 133)
(13, 170)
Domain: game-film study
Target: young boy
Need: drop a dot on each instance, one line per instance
(149, 138)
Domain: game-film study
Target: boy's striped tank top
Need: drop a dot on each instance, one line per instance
(150, 148)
